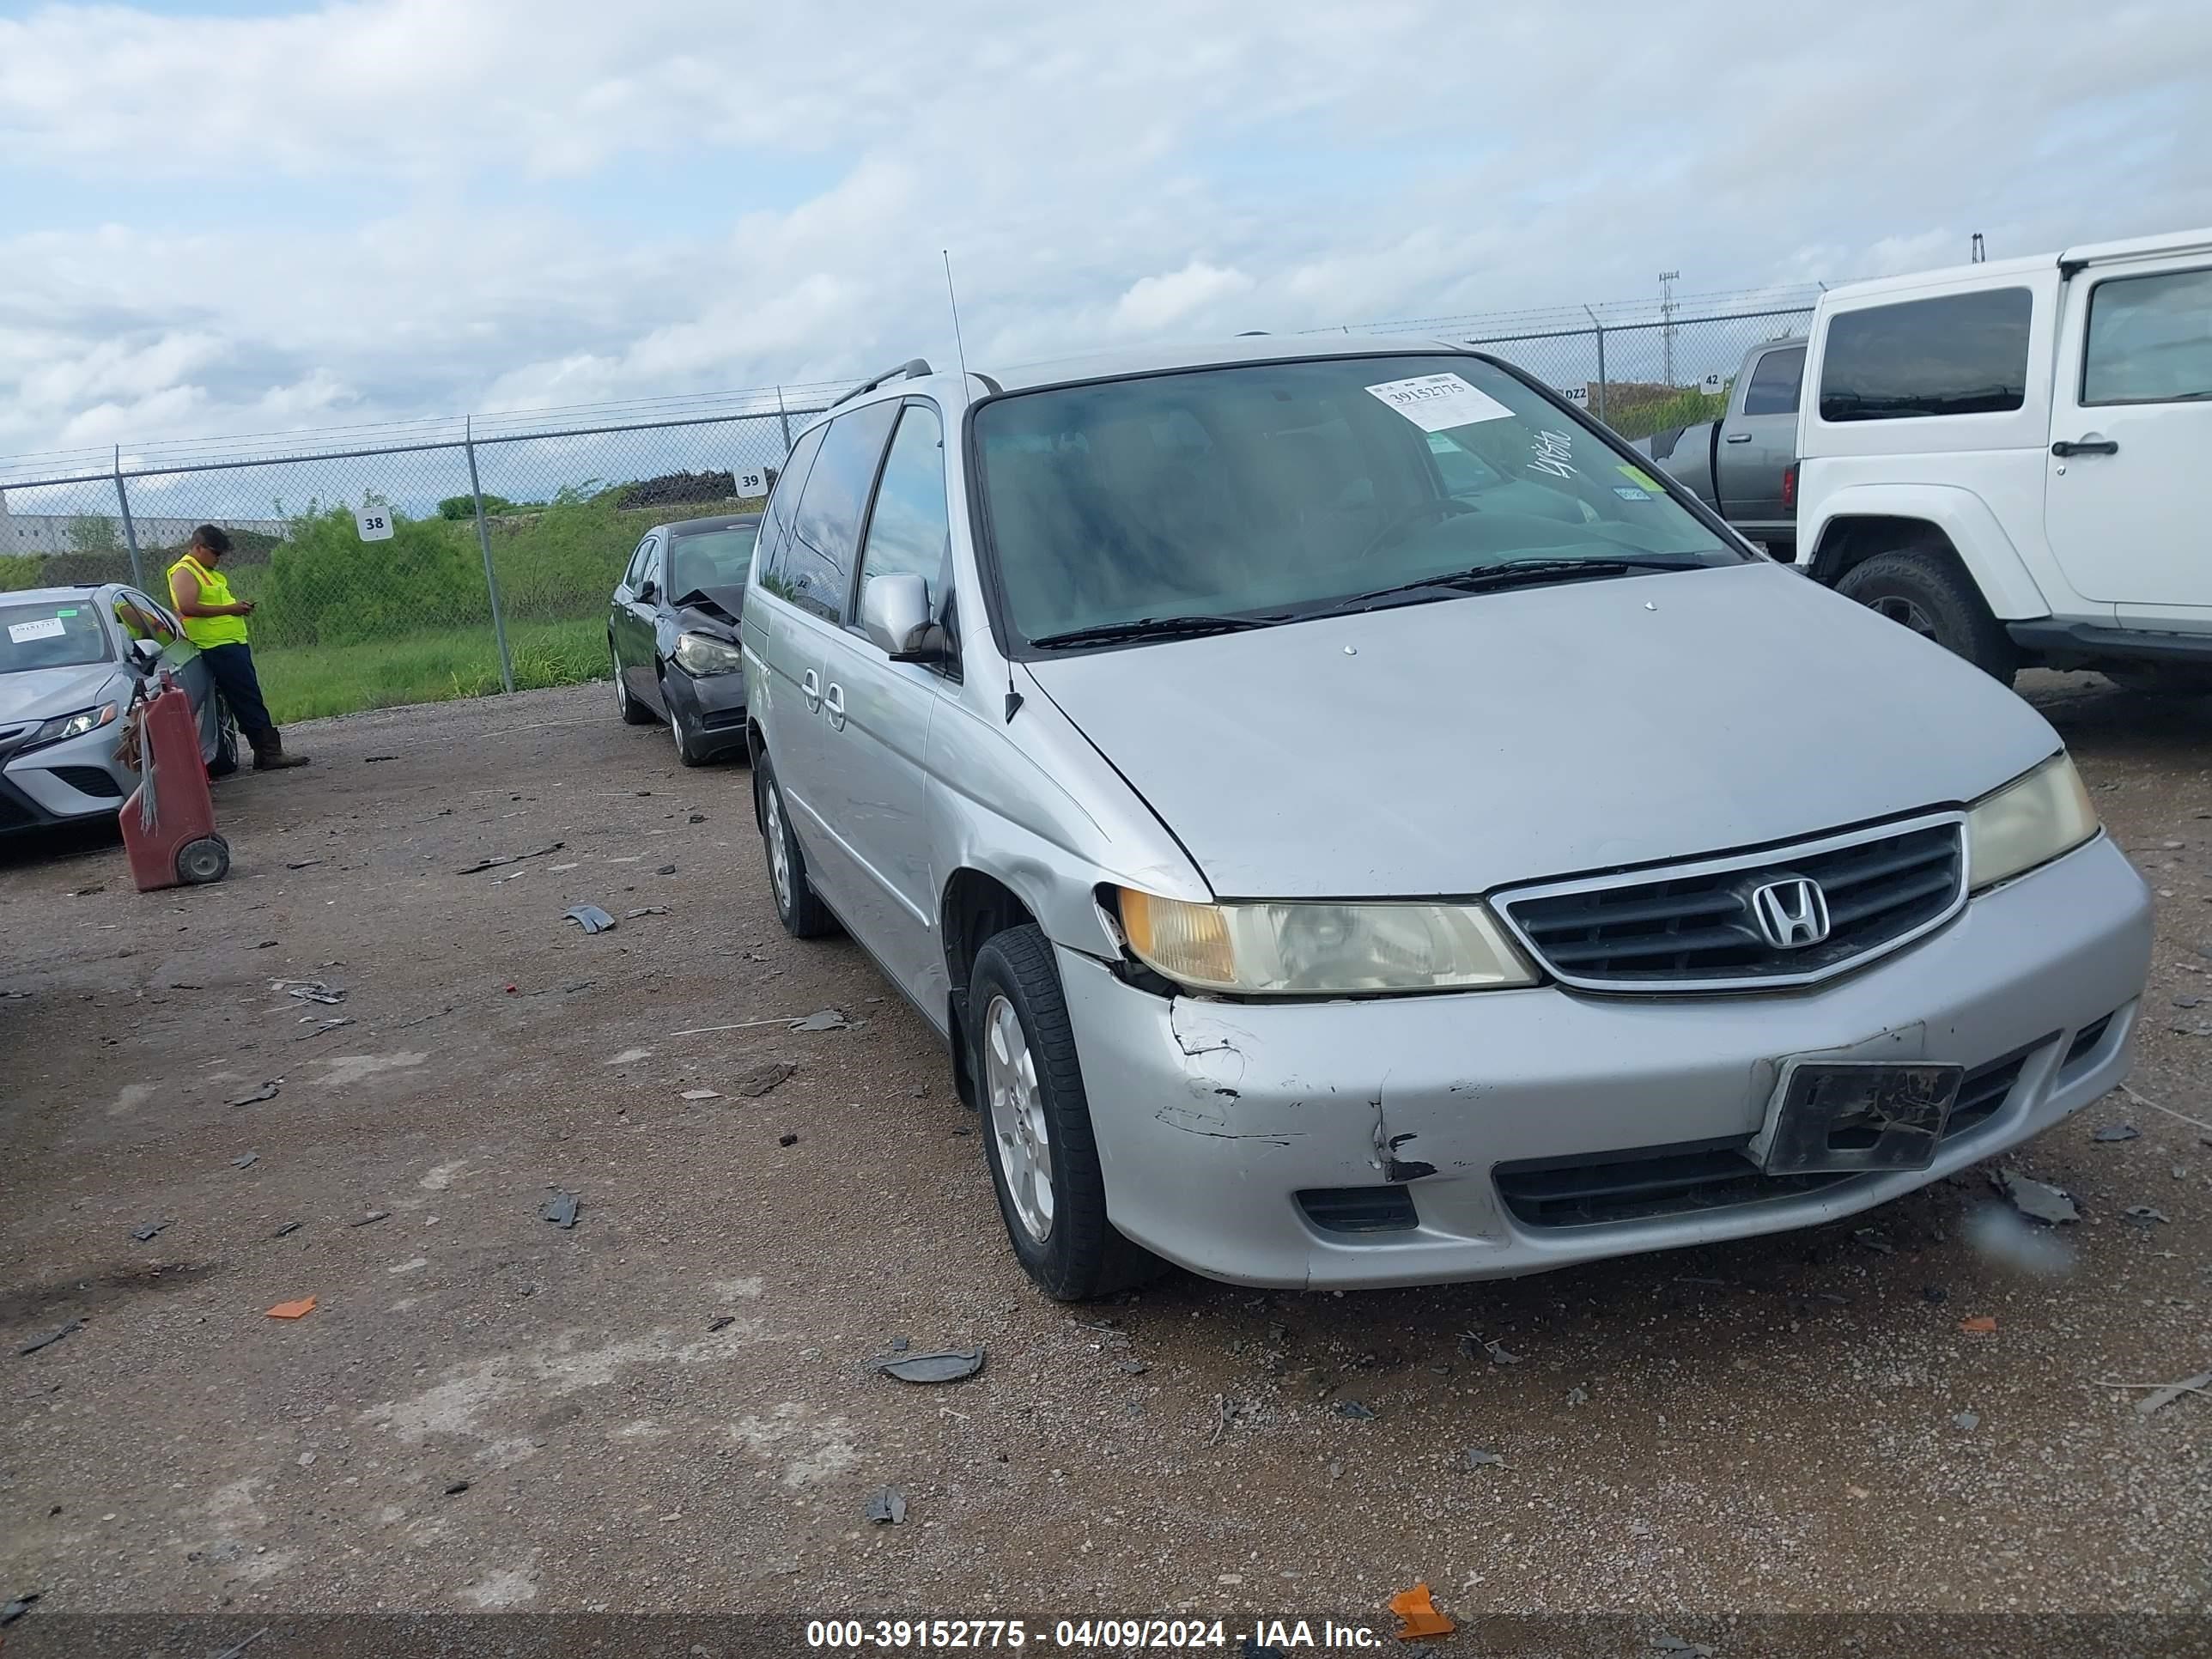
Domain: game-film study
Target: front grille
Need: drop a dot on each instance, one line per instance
(1359, 1209)
(1705, 1175)
(1698, 929)
(90, 781)
(2086, 1039)
(17, 812)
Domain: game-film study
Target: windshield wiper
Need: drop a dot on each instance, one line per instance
(1147, 628)
(1517, 573)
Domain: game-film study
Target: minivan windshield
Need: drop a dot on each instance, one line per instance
(1182, 503)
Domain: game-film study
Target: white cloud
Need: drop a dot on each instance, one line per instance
(392, 208)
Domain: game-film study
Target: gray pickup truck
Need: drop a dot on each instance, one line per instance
(1742, 466)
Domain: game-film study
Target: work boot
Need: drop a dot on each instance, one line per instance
(269, 754)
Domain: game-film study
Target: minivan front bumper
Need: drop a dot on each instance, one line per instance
(1279, 1143)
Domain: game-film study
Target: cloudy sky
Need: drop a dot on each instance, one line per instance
(238, 216)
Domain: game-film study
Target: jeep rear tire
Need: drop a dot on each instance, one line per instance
(1927, 590)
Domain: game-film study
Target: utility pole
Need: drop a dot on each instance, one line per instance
(1667, 280)
(1980, 254)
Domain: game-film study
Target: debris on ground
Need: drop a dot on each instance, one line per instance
(2112, 1131)
(152, 1230)
(456, 1488)
(762, 1078)
(286, 1231)
(16, 1609)
(589, 918)
(786, 1140)
(482, 864)
(1500, 1354)
(1664, 1643)
(2036, 1199)
(245, 1160)
(1135, 1368)
(1968, 1420)
(1418, 1618)
(52, 1337)
(303, 864)
(1358, 1410)
(1980, 1325)
(1475, 1458)
(1935, 1295)
(887, 1506)
(721, 1323)
(562, 1209)
(698, 817)
(1872, 1239)
(701, 1094)
(309, 990)
(2163, 1394)
(298, 1309)
(824, 1019)
(665, 869)
(371, 760)
(1578, 1395)
(949, 1365)
(372, 1217)
(2144, 1215)
(318, 1027)
(266, 1092)
(645, 910)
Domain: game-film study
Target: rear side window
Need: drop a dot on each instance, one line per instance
(817, 562)
(1958, 354)
(1774, 382)
(776, 519)
(2150, 339)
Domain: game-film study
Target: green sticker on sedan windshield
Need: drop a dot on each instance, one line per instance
(1637, 475)
(71, 612)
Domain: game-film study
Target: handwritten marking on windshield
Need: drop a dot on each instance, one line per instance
(1550, 454)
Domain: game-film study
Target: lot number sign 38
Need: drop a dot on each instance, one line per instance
(373, 522)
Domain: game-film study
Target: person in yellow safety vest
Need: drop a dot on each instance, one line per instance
(215, 623)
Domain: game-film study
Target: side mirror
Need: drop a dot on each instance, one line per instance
(145, 655)
(894, 616)
(647, 593)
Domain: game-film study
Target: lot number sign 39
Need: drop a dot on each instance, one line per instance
(374, 522)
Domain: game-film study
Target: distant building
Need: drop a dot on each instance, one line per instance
(61, 532)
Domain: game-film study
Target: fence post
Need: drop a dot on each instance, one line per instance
(1600, 327)
(483, 541)
(129, 530)
(783, 417)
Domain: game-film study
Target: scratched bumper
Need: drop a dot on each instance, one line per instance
(1212, 1117)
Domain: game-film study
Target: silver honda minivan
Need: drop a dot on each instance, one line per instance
(1334, 801)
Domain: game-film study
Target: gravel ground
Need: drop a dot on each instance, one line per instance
(669, 1407)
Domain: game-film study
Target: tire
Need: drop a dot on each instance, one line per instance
(633, 712)
(1036, 1119)
(797, 907)
(203, 860)
(688, 751)
(225, 743)
(2162, 679)
(1928, 592)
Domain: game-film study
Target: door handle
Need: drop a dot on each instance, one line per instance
(2085, 447)
(1738, 437)
(810, 687)
(833, 699)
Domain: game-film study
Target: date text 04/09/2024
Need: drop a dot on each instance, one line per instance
(1088, 1635)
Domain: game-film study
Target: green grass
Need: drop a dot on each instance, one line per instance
(307, 682)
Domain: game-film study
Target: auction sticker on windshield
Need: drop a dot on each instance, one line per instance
(1437, 403)
(43, 628)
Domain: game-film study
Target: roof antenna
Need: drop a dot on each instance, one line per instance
(958, 344)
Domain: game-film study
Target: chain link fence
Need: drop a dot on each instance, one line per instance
(419, 560)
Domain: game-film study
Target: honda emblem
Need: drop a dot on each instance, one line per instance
(1791, 913)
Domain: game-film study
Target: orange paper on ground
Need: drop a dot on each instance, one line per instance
(1980, 1324)
(1418, 1615)
(298, 1309)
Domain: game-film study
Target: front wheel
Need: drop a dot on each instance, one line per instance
(688, 751)
(1927, 590)
(1038, 1138)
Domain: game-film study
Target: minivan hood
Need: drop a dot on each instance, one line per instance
(1454, 747)
(40, 694)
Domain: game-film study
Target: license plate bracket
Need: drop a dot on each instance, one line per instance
(1840, 1117)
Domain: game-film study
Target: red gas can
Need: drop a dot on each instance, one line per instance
(168, 822)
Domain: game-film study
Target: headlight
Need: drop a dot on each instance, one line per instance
(703, 654)
(65, 727)
(1322, 950)
(2030, 821)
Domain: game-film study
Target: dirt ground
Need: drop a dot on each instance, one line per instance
(670, 1406)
